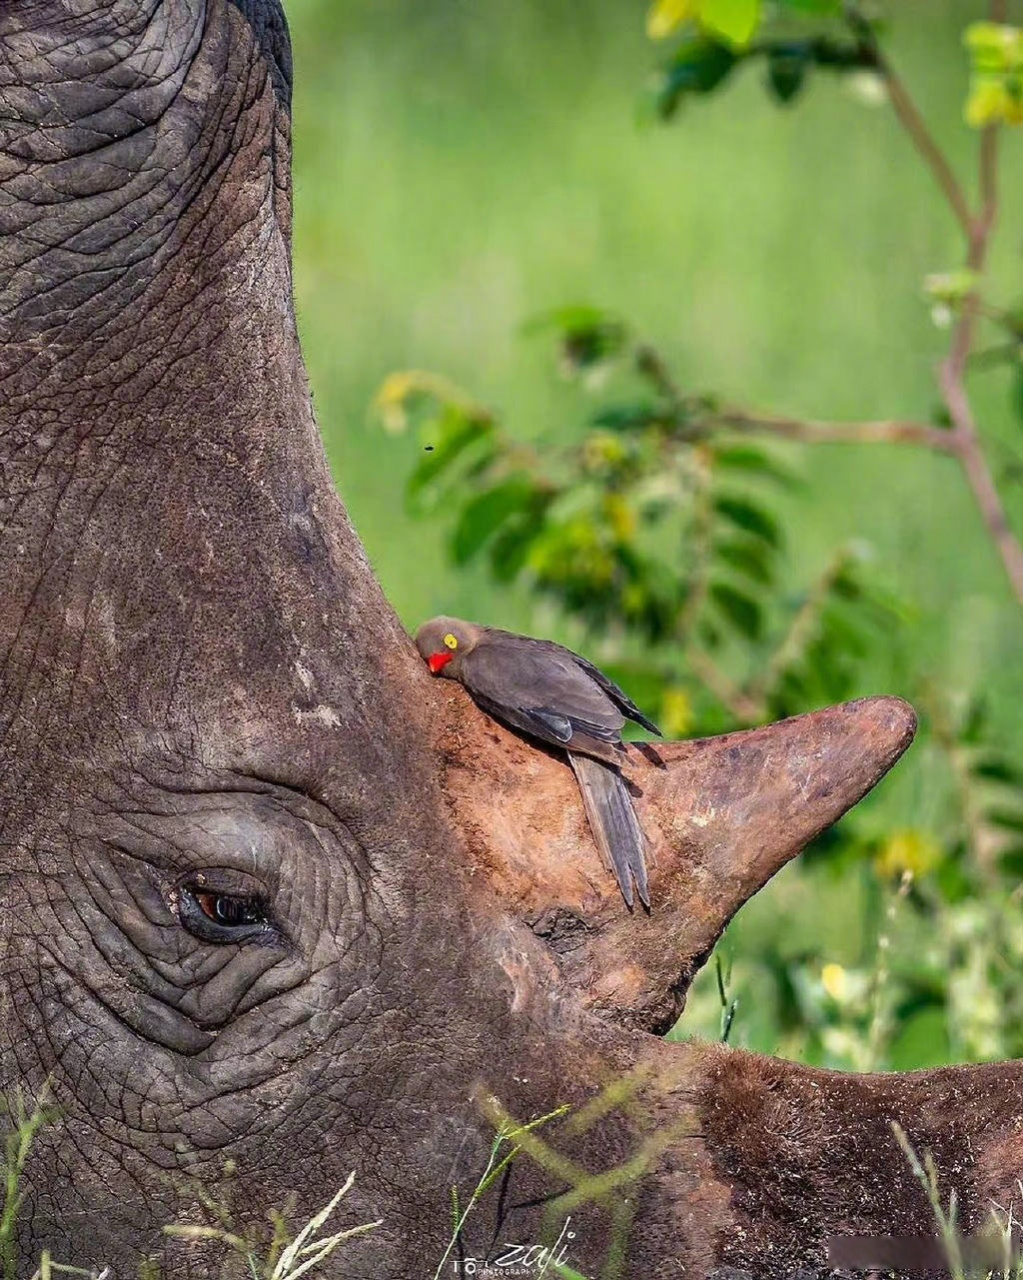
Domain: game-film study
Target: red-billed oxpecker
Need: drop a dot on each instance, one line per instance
(554, 695)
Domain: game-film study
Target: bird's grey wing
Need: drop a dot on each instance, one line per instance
(614, 824)
(538, 722)
(537, 687)
(617, 695)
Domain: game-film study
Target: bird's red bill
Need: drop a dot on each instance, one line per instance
(437, 660)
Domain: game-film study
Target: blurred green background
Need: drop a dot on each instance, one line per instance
(461, 167)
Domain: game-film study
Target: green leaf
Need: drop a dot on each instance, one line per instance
(746, 457)
(588, 335)
(699, 67)
(629, 417)
(996, 769)
(841, 56)
(994, 46)
(1006, 819)
(952, 881)
(511, 546)
(415, 393)
(568, 319)
(786, 73)
(846, 586)
(734, 20)
(743, 612)
(483, 515)
(996, 74)
(951, 287)
(448, 437)
(748, 557)
(985, 103)
(748, 516)
(816, 8)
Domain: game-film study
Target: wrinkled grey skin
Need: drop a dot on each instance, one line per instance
(178, 629)
(199, 678)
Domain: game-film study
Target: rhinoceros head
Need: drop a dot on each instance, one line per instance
(275, 907)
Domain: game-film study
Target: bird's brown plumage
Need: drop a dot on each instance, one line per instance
(554, 695)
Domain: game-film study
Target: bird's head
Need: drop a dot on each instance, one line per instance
(444, 642)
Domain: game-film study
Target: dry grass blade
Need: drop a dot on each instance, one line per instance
(926, 1173)
(307, 1255)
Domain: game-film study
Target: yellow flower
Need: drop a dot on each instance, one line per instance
(912, 851)
(833, 980)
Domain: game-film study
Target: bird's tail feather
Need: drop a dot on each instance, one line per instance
(614, 824)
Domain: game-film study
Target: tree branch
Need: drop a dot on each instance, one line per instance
(962, 441)
(952, 372)
(981, 229)
(979, 476)
(922, 138)
(809, 431)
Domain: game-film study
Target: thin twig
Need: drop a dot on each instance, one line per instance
(651, 364)
(891, 431)
(922, 138)
(963, 441)
(979, 240)
(952, 372)
(983, 485)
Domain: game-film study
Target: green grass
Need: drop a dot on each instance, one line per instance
(277, 1251)
(992, 1252)
(24, 1121)
(286, 1255)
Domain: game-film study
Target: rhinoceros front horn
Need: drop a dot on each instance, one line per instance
(723, 815)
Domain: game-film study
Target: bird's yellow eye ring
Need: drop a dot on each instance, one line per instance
(450, 641)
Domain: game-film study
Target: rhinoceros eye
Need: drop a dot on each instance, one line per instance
(223, 917)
